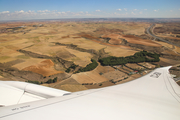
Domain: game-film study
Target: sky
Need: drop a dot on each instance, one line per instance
(55, 9)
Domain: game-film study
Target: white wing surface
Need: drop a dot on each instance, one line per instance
(13, 92)
(154, 96)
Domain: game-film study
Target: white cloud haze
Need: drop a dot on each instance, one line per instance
(48, 14)
(98, 10)
(119, 10)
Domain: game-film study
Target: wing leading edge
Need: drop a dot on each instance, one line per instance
(154, 96)
(14, 92)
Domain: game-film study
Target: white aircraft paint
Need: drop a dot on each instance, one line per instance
(155, 96)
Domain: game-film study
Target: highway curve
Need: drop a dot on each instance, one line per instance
(158, 38)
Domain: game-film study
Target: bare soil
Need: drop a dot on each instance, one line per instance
(168, 28)
(45, 68)
(136, 40)
(45, 52)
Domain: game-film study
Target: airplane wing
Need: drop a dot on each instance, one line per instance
(14, 92)
(155, 96)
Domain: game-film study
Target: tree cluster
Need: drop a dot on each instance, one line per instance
(34, 82)
(142, 56)
(89, 67)
(87, 83)
(48, 82)
(73, 66)
(52, 80)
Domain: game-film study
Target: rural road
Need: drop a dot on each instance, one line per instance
(163, 40)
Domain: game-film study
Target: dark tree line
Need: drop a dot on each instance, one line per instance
(89, 67)
(34, 82)
(142, 56)
(52, 80)
(48, 82)
(73, 66)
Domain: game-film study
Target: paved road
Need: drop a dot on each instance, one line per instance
(155, 37)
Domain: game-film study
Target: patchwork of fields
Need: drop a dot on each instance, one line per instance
(40, 51)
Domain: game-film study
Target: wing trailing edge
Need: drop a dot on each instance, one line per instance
(154, 96)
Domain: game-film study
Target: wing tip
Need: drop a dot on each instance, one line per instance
(165, 68)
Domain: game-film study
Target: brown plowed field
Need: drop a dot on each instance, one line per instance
(113, 36)
(115, 41)
(88, 36)
(69, 85)
(72, 88)
(103, 38)
(168, 62)
(107, 44)
(136, 40)
(45, 68)
(89, 77)
(114, 75)
(134, 66)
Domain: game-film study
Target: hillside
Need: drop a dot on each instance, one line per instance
(40, 51)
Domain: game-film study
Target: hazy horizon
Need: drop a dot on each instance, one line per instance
(156, 20)
(59, 9)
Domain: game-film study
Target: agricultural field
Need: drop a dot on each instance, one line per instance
(42, 51)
